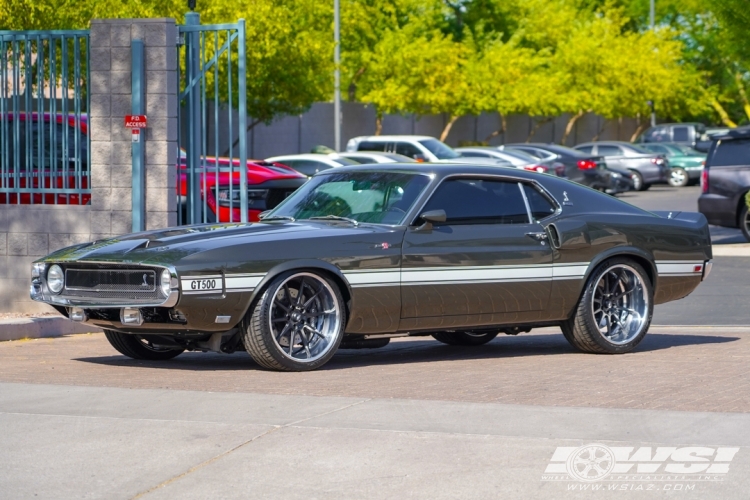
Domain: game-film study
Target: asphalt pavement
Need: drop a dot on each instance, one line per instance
(522, 417)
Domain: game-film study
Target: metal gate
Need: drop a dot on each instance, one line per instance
(212, 112)
(44, 101)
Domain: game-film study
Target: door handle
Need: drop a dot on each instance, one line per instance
(538, 236)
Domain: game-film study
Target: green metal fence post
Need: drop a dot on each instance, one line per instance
(137, 98)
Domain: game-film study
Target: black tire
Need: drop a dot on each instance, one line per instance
(645, 187)
(133, 346)
(582, 330)
(637, 181)
(745, 222)
(464, 338)
(265, 346)
(678, 177)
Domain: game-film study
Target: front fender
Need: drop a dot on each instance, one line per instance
(298, 265)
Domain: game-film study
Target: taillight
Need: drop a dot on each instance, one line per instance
(586, 164)
(537, 168)
(704, 182)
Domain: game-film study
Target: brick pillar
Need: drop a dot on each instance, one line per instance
(111, 163)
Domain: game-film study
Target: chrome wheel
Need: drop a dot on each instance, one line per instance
(305, 317)
(678, 177)
(620, 304)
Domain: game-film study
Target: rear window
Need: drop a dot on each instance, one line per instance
(680, 134)
(729, 153)
(372, 146)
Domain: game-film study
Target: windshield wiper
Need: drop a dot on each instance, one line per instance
(334, 217)
(278, 217)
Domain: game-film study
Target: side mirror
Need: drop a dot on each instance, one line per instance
(431, 217)
(420, 158)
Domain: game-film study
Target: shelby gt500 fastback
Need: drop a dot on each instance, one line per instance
(363, 253)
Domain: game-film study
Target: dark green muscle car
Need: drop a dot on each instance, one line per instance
(363, 253)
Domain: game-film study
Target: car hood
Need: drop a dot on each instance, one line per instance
(169, 246)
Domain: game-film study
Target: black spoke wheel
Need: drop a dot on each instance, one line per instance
(614, 312)
(464, 338)
(745, 222)
(137, 347)
(297, 324)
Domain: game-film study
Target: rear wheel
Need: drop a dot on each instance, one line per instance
(637, 181)
(464, 338)
(678, 177)
(297, 324)
(745, 222)
(136, 347)
(615, 310)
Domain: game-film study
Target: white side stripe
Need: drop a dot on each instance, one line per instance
(679, 268)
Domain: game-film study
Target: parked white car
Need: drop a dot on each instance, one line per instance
(421, 148)
(366, 157)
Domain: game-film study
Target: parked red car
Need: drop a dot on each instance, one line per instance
(268, 184)
(43, 163)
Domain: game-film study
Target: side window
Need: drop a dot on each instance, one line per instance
(406, 149)
(479, 201)
(540, 206)
(730, 153)
(372, 146)
(680, 134)
(658, 149)
(657, 134)
(585, 149)
(604, 150)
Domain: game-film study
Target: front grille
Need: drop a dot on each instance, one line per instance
(112, 282)
(276, 196)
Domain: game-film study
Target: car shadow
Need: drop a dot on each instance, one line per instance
(416, 350)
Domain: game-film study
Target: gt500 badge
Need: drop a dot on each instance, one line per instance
(202, 284)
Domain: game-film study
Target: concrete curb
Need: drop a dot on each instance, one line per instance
(732, 250)
(38, 328)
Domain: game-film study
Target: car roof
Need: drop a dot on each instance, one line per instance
(440, 169)
(735, 133)
(376, 154)
(614, 143)
(383, 138)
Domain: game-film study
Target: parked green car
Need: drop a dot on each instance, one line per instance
(686, 162)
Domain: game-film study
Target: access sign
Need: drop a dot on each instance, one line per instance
(135, 121)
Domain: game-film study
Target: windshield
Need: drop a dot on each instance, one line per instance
(344, 161)
(440, 150)
(377, 197)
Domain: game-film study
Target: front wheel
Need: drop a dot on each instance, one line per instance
(464, 338)
(745, 222)
(615, 310)
(678, 177)
(297, 324)
(136, 347)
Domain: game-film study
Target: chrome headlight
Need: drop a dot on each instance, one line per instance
(165, 282)
(55, 279)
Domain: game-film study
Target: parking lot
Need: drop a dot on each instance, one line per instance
(416, 419)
